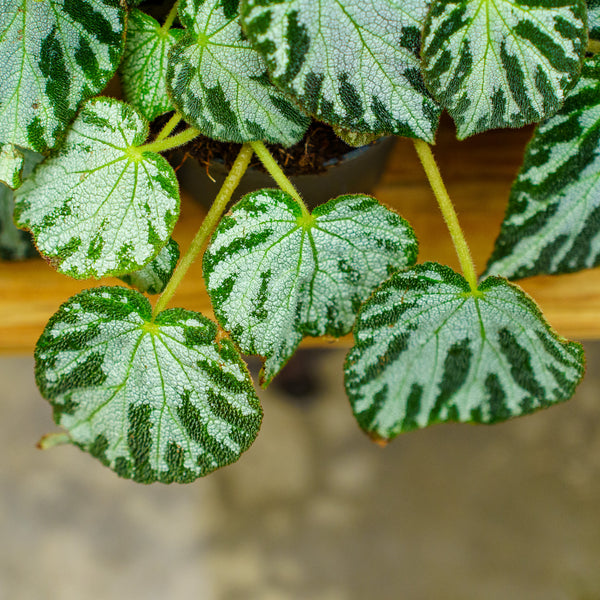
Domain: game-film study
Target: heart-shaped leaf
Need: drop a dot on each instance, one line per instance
(154, 400)
(54, 54)
(219, 83)
(552, 224)
(429, 351)
(153, 278)
(11, 165)
(276, 274)
(504, 63)
(351, 63)
(101, 206)
(14, 243)
(144, 66)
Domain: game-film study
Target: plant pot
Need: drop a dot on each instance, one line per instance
(357, 171)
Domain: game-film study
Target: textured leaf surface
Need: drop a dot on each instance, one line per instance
(275, 275)
(158, 401)
(54, 54)
(503, 63)
(594, 19)
(153, 278)
(352, 63)
(220, 83)
(144, 66)
(427, 351)
(100, 206)
(14, 243)
(552, 224)
(11, 165)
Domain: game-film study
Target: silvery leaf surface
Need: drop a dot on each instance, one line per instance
(54, 54)
(504, 63)
(14, 243)
(99, 206)
(219, 83)
(144, 66)
(11, 165)
(351, 63)
(155, 400)
(275, 274)
(552, 223)
(593, 14)
(429, 351)
(153, 278)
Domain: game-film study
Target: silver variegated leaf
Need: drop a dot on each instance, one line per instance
(153, 278)
(275, 274)
(504, 63)
(219, 83)
(54, 54)
(158, 400)
(593, 12)
(351, 63)
(100, 206)
(427, 351)
(11, 165)
(14, 243)
(144, 66)
(552, 223)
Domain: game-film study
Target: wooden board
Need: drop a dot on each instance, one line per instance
(478, 173)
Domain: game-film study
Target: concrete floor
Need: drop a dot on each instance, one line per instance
(313, 510)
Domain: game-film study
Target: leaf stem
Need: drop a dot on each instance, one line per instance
(170, 18)
(178, 139)
(277, 174)
(214, 214)
(441, 194)
(169, 126)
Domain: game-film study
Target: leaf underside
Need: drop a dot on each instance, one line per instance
(14, 243)
(428, 351)
(54, 54)
(351, 63)
(219, 83)
(275, 275)
(97, 207)
(153, 278)
(144, 67)
(504, 63)
(552, 223)
(154, 401)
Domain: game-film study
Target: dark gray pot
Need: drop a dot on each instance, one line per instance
(358, 171)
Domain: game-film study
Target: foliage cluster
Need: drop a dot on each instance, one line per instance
(163, 394)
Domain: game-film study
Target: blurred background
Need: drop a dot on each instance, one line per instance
(313, 510)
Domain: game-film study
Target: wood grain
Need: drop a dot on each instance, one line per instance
(478, 173)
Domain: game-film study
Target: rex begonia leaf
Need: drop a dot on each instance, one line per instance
(552, 223)
(427, 350)
(275, 274)
(351, 63)
(11, 165)
(219, 83)
(504, 63)
(144, 67)
(593, 12)
(54, 54)
(100, 206)
(153, 278)
(15, 244)
(158, 400)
